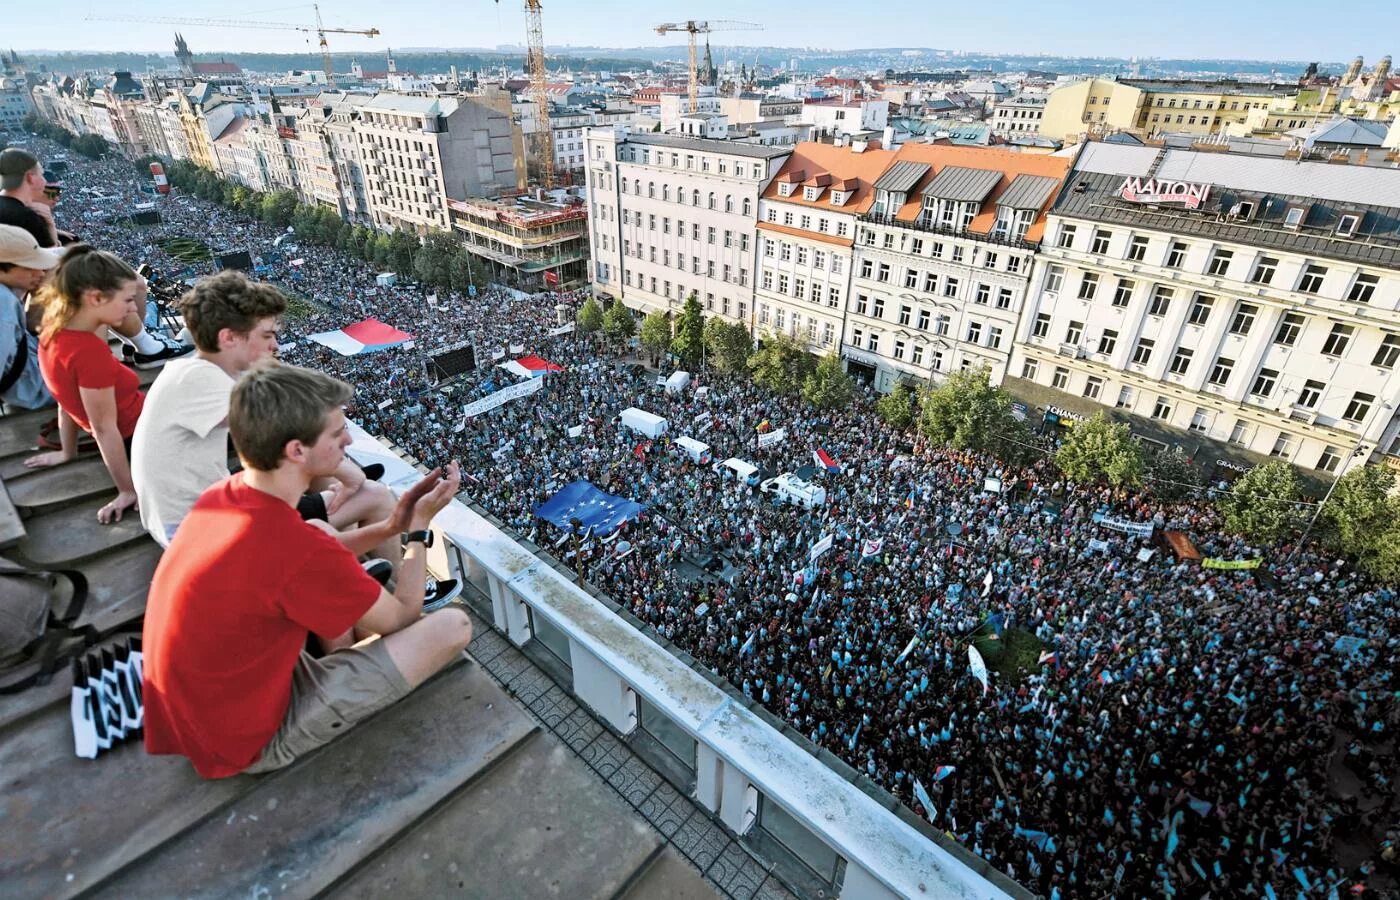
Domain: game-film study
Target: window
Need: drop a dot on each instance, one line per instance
(989, 261)
(1264, 270)
(1176, 255)
(1388, 353)
(818, 259)
(904, 314)
(1108, 340)
(1264, 383)
(1283, 446)
(1181, 361)
(1363, 288)
(982, 294)
(1337, 341)
(872, 343)
(1161, 300)
(1060, 380)
(1220, 262)
(1123, 293)
(1074, 333)
(1220, 374)
(1089, 286)
(833, 296)
(1347, 224)
(862, 304)
(877, 309)
(911, 278)
(888, 241)
(1137, 248)
(768, 279)
(1200, 419)
(1054, 279)
(918, 357)
(1239, 434)
(1093, 386)
(1311, 282)
(882, 273)
(1162, 409)
(940, 325)
(1311, 394)
(923, 320)
(802, 256)
(710, 235)
(867, 268)
(1289, 329)
(950, 287)
(1329, 460)
(1125, 398)
(829, 334)
(1100, 242)
(1042, 325)
(1013, 264)
(898, 349)
(782, 283)
(768, 247)
(1029, 369)
(1244, 319)
(1143, 351)
(1066, 236)
(1359, 406)
(994, 337)
(1200, 310)
(779, 318)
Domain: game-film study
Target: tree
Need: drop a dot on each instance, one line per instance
(728, 343)
(1101, 450)
(460, 270)
(967, 413)
(897, 407)
(1262, 505)
(781, 364)
(656, 333)
(1172, 475)
(828, 386)
(1362, 518)
(689, 343)
(590, 316)
(618, 323)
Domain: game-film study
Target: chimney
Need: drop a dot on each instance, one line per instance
(887, 138)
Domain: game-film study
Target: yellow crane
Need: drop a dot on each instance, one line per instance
(691, 29)
(320, 30)
(539, 90)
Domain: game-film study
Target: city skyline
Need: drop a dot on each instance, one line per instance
(1096, 28)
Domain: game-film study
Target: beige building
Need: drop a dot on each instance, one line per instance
(1102, 106)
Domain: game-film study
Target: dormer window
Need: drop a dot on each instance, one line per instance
(1244, 210)
(785, 189)
(1347, 224)
(1294, 217)
(811, 193)
(838, 198)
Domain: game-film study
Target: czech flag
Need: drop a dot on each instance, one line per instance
(363, 337)
(943, 772)
(909, 501)
(531, 367)
(823, 460)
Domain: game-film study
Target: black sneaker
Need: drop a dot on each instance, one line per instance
(169, 350)
(380, 570)
(373, 471)
(438, 594)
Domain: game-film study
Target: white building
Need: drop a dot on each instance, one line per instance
(15, 103)
(1230, 303)
(1019, 115)
(806, 231)
(944, 257)
(832, 117)
(673, 215)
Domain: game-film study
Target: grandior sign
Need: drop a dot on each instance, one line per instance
(1156, 190)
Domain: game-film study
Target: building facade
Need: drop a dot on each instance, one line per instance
(1244, 306)
(1104, 106)
(673, 215)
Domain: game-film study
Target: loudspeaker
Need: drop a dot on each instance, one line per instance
(451, 363)
(148, 217)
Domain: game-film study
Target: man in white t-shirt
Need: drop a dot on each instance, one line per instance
(181, 442)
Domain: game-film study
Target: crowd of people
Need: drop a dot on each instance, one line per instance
(1189, 731)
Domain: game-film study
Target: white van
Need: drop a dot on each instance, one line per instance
(791, 489)
(677, 382)
(643, 422)
(741, 470)
(697, 451)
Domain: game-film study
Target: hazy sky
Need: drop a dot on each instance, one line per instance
(1245, 29)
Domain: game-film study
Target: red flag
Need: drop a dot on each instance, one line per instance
(638, 451)
(551, 277)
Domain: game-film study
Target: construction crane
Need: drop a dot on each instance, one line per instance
(539, 90)
(691, 29)
(320, 30)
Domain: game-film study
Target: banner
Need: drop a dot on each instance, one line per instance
(503, 396)
(820, 547)
(991, 485)
(979, 668)
(562, 329)
(922, 796)
(872, 548)
(772, 437)
(1212, 562)
(908, 648)
(1137, 529)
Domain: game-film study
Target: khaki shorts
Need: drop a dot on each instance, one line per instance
(328, 696)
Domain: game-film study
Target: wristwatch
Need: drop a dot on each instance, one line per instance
(425, 537)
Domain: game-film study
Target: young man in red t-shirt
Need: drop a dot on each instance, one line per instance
(227, 680)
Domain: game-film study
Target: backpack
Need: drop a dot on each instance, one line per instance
(32, 630)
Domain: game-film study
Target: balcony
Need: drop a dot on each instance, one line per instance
(934, 228)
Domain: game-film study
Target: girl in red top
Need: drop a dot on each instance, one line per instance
(89, 292)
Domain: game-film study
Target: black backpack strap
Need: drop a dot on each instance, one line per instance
(62, 639)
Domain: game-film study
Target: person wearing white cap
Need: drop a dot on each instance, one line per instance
(23, 267)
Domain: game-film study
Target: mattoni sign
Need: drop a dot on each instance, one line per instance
(1155, 190)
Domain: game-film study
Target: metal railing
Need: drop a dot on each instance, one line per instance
(934, 228)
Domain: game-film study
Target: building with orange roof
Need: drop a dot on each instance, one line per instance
(807, 224)
(943, 258)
